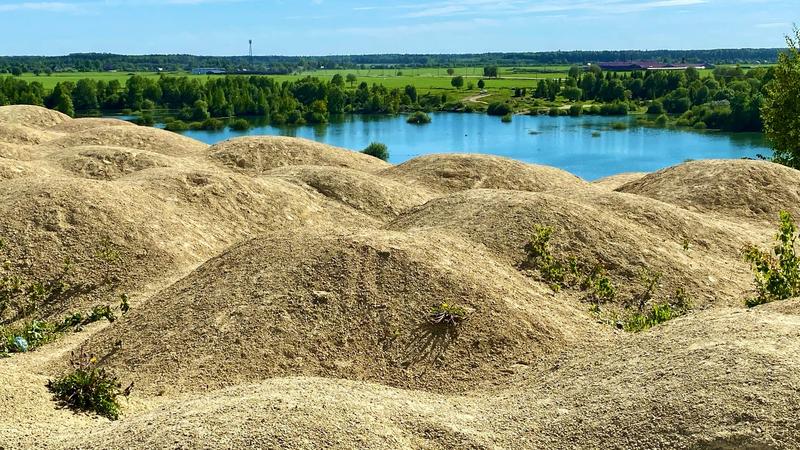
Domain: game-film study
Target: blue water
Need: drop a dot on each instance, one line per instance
(563, 142)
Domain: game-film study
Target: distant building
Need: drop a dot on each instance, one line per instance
(208, 71)
(645, 65)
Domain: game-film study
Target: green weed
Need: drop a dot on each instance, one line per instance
(88, 388)
(447, 314)
(777, 273)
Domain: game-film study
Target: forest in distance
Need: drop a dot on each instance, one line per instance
(728, 98)
(93, 62)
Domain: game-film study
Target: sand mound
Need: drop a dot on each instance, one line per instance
(140, 138)
(31, 116)
(108, 163)
(256, 155)
(10, 169)
(12, 133)
(622, 232)
(718, 379)
(321, 301)
(614, 182)
(376, 196)
(454, 172)
(740, 189)
(87, 123)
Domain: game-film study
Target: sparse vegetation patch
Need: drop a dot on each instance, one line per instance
(777, 273)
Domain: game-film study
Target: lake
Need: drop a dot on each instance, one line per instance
(572, 144)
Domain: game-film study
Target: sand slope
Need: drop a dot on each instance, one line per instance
(280, 289)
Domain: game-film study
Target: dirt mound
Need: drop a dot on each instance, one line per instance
(256, 155)
(108, 163)
(455, 172)
(10, 169)
(87, 123)
(158, 224)
(140, 138)
(31, 116)
(740, 189)
(12, 133)
(624, 233)
(719, 379)
(336, 303)
(376, 196)
(616, 181)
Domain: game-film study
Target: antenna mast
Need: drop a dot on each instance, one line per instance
(251, 53)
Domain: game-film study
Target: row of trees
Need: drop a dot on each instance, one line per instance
(731, 98)
(93, 62)
(307, 100)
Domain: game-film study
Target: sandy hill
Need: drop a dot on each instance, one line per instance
(281, 290)
(738, 189)
(455, 172)
(256, 155)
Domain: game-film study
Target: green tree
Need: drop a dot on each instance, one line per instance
(451, 71)
(481, 84)
(781, 111)
(457, 82)
(377, 150)
(62, 100)
(491, 72)
(16, 71)
(337, 80)
(84, 97)
(352, 78)
(575, 72)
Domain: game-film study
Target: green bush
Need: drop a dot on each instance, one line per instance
(650, 317)
(507, 118)
(240, 125)
(662, 120)
(699, 126)
(655, 108)
(576, 110)
(88, 388)
(419, 118)
(777, 273)
(26, 337)
(378, 150)
(176, 126)
(498, 109)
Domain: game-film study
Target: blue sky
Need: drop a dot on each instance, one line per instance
(322, 27)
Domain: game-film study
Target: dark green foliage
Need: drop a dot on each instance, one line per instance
(418, 118)
(619, 126)
(26, 337)
(378, 150)
(507, 118)
(457, 82)
(576, 110)
(240, 125)
(777, 273)
(446, 314)
(498, 109)
(655, 108)
(645, 314)
(651, 316)
(88, 388)
(781, 110)
(176, 126)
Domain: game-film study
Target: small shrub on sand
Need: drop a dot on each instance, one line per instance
(447, 314)
(377, 150)
(777, 273)
(88, 388)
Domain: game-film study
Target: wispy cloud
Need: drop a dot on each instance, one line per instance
(38, 6)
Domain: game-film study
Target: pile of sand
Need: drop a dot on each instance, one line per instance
(107, 163)
(87, 123)
(614, 182)
(140, 138)
(342, 304)
(256, 155)
(624, 233)
(31, 116)
(376, 196)
(454, 172)
(12, 133)
(738, 189)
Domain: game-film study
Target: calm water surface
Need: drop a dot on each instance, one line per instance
(564, 142)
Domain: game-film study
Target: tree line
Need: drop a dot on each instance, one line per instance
(95, 62)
